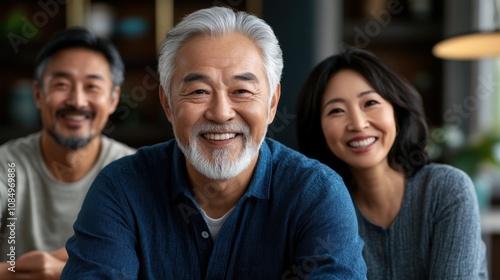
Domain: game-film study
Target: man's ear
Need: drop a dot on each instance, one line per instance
(35, 86)
(274, 104)
(115, 99)
(164, 103)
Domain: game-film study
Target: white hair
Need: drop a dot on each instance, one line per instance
(220, 21)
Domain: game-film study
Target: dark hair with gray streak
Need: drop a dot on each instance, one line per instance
(78, 37)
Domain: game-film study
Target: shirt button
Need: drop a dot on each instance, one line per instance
(204, 234)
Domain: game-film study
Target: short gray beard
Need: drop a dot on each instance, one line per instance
(71, 142)
(220, 167)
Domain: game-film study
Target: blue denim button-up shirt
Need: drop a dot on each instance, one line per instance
(140, 221)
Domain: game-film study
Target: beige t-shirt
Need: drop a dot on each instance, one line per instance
(42, 216)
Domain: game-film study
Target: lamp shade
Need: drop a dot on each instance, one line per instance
(471, 46)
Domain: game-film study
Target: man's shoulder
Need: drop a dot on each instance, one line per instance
(289, 161)
(144, 168)
(166, 147)
(117, 148)
(303, 181)
(18, 147)
(145, 156)
(280, 150)
(285, 155)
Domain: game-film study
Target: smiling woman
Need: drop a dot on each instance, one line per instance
(364, 121)
(350, 106)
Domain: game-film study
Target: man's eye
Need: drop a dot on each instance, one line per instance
(199, 91)
(240, 91)
(61, 85)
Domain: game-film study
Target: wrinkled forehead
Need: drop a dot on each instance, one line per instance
(230, 53)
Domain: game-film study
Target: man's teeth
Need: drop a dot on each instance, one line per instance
(219, 136)
(362, 143)
(75, 117)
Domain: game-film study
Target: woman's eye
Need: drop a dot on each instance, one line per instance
(371, 103)
(335, 111)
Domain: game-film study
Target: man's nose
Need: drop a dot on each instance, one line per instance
(220, 108)
(77, 97)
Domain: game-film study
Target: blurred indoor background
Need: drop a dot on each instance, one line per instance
(461, 96)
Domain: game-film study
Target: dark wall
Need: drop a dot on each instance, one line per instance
(292, 21)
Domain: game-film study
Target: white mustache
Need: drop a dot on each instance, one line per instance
(227, 127)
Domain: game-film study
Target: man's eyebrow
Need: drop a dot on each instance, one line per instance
(63, 74)
(247, 76)
(58, 74)
(95, 76)
(191, 77)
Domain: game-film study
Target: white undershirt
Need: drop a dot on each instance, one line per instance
(214, 225)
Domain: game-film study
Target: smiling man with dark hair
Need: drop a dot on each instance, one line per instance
(76, 87)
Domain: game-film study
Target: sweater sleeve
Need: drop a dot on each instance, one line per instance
(457, 249)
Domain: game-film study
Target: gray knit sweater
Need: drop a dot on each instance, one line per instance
(436, 235)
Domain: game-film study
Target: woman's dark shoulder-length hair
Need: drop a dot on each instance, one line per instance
(408, 151)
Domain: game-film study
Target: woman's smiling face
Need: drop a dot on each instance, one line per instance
(358, 124)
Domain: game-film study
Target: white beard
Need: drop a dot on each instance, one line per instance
(220, 166)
